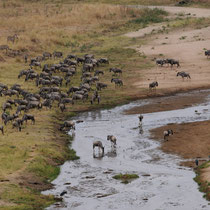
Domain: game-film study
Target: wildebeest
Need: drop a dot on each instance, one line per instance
(2, 129)
(10, 92)
(21, 108)
(140, 120)
(4, 87)
(118, 82)
(160, 62)
(207, 53)
(6, 106)
(183, 75)
(17, 124)
(27, 117)
(47, 55)
(57, 54)
(100, 85)
(100, 147)
(153, 85)
(112, 139)
(62, 107)
(68, 124)
(115, 70)
(47, 103)
(80, 97)
(73, 89)
(167, 133)
(103, 60)
(4, 47)
(172, 62)
(34, 104)
(98, 72)
(10, 118)
(66, 101)
(12, 38)
(95, 97)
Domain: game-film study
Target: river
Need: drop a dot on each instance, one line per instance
(162, 183)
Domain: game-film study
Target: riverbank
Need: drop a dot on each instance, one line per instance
(190, 141)
(30, 158)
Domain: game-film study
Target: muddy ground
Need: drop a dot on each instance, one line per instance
(170, 103)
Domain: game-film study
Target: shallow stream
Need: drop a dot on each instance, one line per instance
(162, 183)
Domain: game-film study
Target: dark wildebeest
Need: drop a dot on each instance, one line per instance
(100, 85)
(207, 53)
(46, 55)
(2, 129)
(68, 124)
(98, 72)
(160, 62)
(103, 60)
(17, 124)
(153, 85)
(172, 62)
(57, 54)
(183, 75)
(27, 117)
(115, 70)
(118, 82)
(95, 97)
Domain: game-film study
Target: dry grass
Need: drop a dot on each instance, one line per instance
(43, 27)
(34, 153)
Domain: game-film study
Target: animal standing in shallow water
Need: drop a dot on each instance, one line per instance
(113, 140)
(100, 148)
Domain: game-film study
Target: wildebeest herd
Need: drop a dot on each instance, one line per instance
(171, 62)
(168, 62)
(52, 81)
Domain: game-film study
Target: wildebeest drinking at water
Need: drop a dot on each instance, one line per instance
(68, 124)
(100, 147)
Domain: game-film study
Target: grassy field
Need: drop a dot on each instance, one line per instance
(30, 159)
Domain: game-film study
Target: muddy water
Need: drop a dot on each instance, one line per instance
(162, 183)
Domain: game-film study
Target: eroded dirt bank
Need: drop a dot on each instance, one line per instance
(190, 141)
(170, 103)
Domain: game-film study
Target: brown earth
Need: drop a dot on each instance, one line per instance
(189, 145)
(170, 103)
(193, 144)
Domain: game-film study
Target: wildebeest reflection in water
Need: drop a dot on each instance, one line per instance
(112, 152)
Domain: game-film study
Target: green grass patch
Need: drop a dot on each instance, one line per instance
(151, 16)
(126, 178)
(204, 186)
